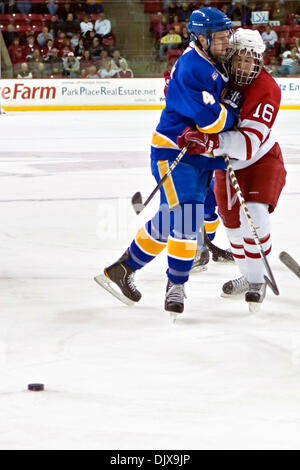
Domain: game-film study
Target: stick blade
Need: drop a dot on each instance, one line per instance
(137, 203)
(290, 263)
(272, 285)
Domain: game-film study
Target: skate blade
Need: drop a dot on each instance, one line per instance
(173, 316)
(198, 269)
(223, 260)
(106, 283)
(238, 296)
(254, 307)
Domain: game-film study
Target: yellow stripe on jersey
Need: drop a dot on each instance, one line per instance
(216, 126)
(170, 191)
(211, 226)
(147, 244)
(182, 249)
(159, 140)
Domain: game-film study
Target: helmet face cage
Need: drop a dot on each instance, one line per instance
(239, 74)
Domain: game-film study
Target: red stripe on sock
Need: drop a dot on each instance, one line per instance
(237, 247)
(251, 241)
(238, 256)
(256, 255)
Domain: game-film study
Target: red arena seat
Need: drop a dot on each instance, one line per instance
(152, 6)
(172, 56)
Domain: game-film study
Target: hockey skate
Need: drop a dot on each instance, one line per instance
(122, 275)
(201, 260)
(235, 287)
(174, 300)
(222, 256)
(255, 296)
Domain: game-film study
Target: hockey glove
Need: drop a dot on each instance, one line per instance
(233, 101)
(200, 143)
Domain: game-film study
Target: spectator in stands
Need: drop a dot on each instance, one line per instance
(124, 71)
(2, 8)
(23, 37)
(71, 25)
(281, 47)
(86, 25)
(184, 12)
(23, 7)
(53, 25)
(289, 63)
(106, 71)
(65, 48)
(169, 41)
(30, 47)
(297, 14)
(79, 49)
(96, 49)
(63, 10)
(269, 37)
(116, 58)
(109, 44)
(92, 72)
(172, 11)
(46, 50)
(54, 64)
(71, 65)
(44, 36)
(176, 25)
(272, 67)
(52, 6)
(102, 26)
(9, 35)
(15, 51)
(267, 7)
(74, 40)
(94, 6)
(162, 27)
(185, 38)
(239, 12)
(79, 8)
(280, 13)
(33, 60)
(24, 72)
(103, 58)
(85, 62)
(58, 41)
(88, 39)
(41, 71)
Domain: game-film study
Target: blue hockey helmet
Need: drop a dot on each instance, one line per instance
(207, 21)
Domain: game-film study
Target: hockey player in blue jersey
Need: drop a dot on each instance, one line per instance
(193, 99)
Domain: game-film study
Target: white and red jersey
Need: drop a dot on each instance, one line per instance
(253, 137)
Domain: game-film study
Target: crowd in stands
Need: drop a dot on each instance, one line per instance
(168, 24)
(54, 39)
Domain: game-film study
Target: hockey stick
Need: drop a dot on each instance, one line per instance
(137, 200)
(290, 263)
(269, 280)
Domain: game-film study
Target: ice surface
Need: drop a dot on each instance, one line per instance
(119, 377)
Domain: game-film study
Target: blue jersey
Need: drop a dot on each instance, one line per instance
(193, 99)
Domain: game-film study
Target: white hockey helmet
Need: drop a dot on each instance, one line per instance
(249, 43)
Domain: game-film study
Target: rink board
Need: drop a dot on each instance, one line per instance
(102, 94)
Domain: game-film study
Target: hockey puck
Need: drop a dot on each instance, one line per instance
(36, 387)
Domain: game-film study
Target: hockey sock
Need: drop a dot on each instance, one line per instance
(211, 223)
(235, 237)
(150, 240)
(260, 216)
(182, 242)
